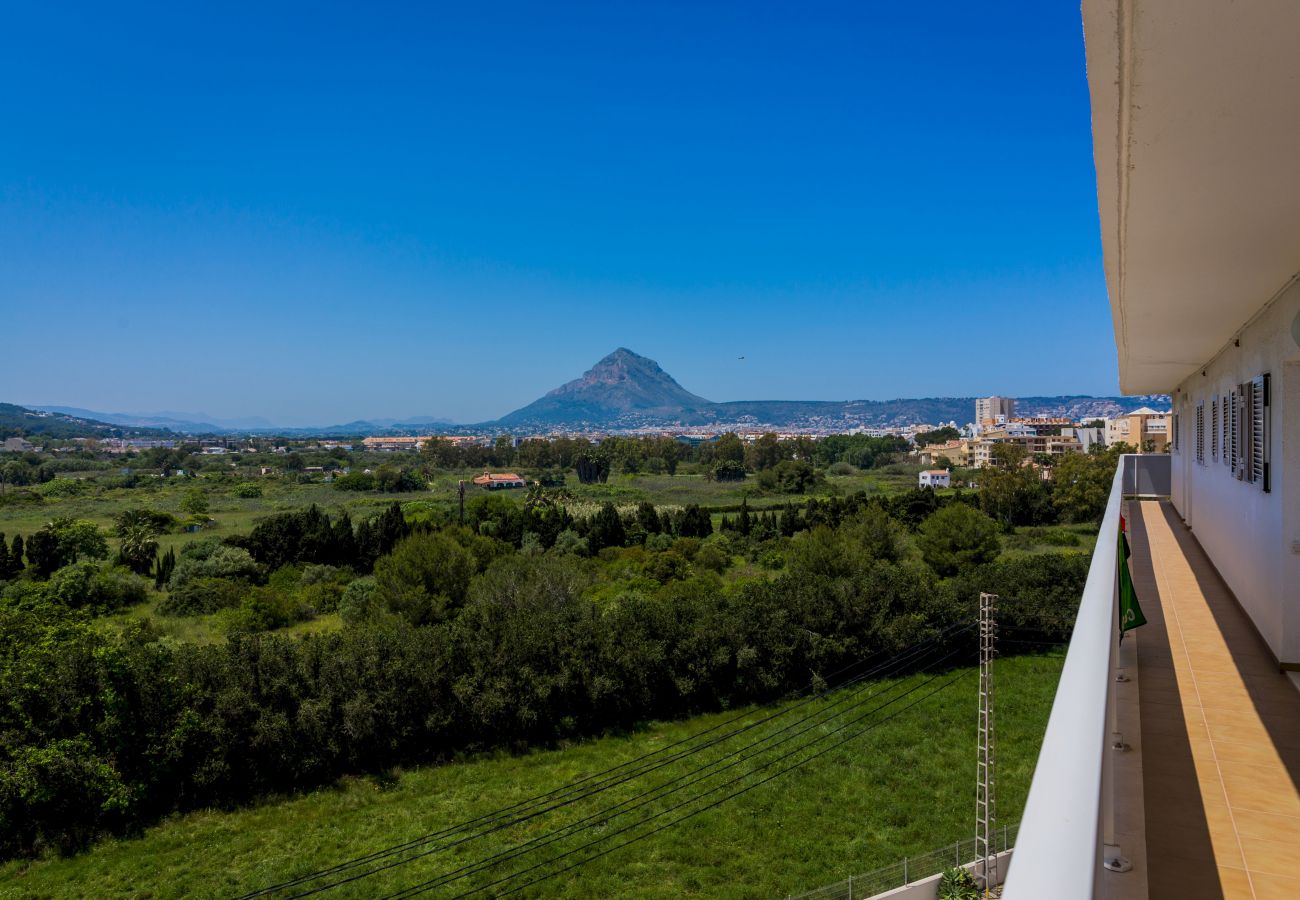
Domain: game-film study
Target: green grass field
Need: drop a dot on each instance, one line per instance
(904, 788)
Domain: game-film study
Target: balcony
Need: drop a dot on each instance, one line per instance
(1171, 760)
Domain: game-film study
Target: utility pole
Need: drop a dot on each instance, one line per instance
(985, 781)
(461, 491)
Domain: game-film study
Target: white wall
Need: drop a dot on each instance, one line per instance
(1250, 534)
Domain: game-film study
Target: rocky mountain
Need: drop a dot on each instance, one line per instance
(622, 386)
(626, 391)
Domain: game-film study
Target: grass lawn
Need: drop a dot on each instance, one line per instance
(903, 788)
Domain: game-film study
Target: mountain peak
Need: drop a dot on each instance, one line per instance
(620, 384)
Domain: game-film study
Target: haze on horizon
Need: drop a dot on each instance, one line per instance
(314, 216)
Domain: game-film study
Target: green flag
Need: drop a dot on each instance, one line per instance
(1130, 611)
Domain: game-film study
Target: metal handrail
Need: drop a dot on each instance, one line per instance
(1069, 813)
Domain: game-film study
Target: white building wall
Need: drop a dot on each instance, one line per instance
(1252, 537)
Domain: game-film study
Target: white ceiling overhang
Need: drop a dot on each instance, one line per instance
(1196, 139)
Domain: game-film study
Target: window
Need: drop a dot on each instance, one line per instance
(1257, 466)
(1234, 432)
(1225, 416)
(1200, 433)
(1214, 428)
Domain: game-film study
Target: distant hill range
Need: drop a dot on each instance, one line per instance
(622, 392)
(202, 423)
(19, 421)
(628, 391)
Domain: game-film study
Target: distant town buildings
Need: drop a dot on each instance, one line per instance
(1145, 429)
(1041, 437)
(394, 443)
(18, 445)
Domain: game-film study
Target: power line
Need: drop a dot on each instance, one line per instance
(743, 754)
(897, 662)
(440, 879)
(591, 784)
(712, 805)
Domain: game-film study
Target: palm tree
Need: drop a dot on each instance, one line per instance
(139, 547)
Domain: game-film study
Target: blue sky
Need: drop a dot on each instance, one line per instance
(317, 212)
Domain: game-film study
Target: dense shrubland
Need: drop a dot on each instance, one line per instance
(524, 626)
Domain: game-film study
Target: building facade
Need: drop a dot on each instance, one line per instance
(1200, 221)
(935, 478)
(989, 409)
(1145, 430)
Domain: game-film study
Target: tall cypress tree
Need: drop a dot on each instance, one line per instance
(16, 563)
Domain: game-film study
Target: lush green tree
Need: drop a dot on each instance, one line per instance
(393, 479)
(648, 518)
(606, 529)
(11, 565)
(937, 436)
(63, 542)
(138, 547)
(729, 448)
(695, 522)
(159, 522)
(355, 481)
(764, 453)
(727, 470)
(592, 468)
(503, 450)
(425, 578)
(957, 537)
(1081, 485)
(790, 476)
(195, 502)
(876, 532)
(1012, 492)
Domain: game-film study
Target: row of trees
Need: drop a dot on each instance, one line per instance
(456, 643)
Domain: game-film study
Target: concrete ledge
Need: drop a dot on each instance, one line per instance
(928, 888)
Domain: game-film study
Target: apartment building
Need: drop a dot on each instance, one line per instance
(1171, 762)
(1144, 429)
(994, 409)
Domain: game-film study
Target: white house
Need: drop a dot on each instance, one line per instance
(935, 478)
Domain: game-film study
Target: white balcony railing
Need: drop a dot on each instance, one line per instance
(1067, 834)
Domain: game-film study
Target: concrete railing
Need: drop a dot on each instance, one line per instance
(1067, 834)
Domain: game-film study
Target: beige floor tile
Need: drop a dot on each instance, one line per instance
(1273, 887)
(1271, 857)
(1256, 753)
(1268, 827)
(1247, 791)
(1234, 883)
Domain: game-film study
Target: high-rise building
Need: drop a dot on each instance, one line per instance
(987, 409)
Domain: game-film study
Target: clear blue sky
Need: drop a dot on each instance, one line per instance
(318, 212)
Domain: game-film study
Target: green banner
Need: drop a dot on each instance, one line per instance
(1130, 611)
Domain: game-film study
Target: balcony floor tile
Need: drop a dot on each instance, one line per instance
(1220, 728)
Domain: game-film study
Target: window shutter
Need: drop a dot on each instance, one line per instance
(1234, 432)
(1226, 415)
(1259, 389)
(1200, 433)
(1214, 428)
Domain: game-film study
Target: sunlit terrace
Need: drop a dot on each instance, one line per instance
(1219, 740)
(1171, 764)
